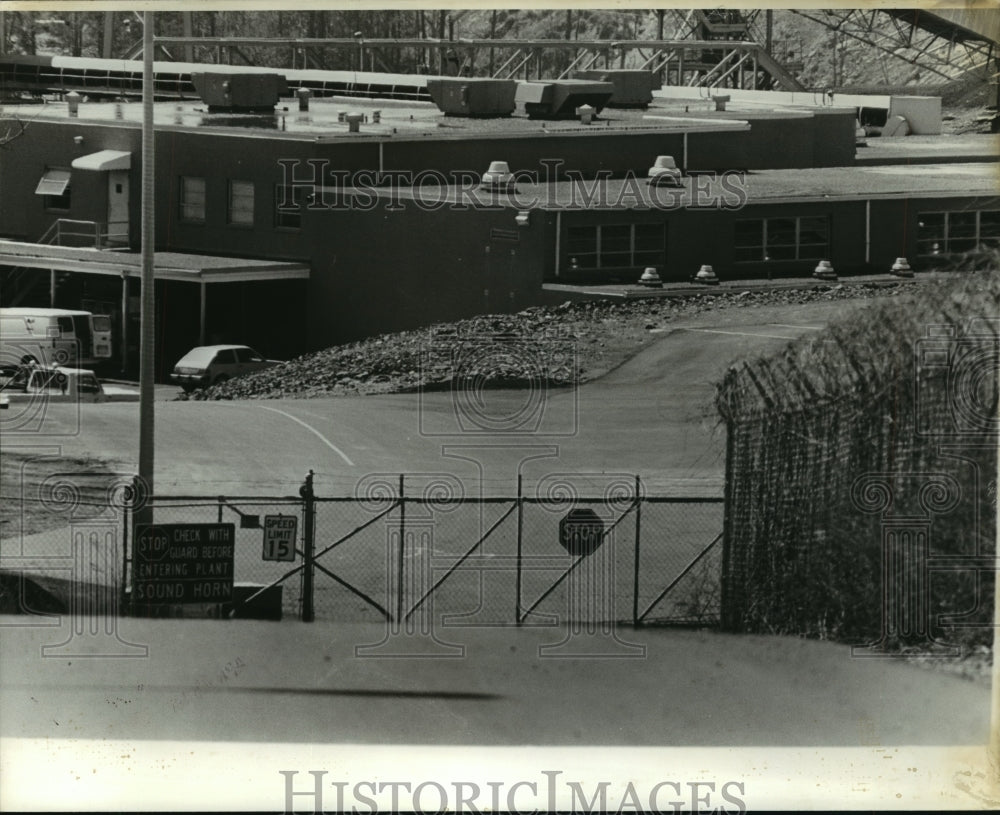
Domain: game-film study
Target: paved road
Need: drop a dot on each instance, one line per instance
(307, 683)
(653, 417)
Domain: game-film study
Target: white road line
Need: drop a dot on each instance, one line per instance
(312, 429)
(790, 325)
(739, 333)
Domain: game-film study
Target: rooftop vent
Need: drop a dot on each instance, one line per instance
(473, 97)
(498, 177)
(239, 93)
(632, 88)
(559, 98)
(664, 171)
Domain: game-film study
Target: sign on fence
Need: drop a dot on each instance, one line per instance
(183, 563)
(581, 531)
(279, 537)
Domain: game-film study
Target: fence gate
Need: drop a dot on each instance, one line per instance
(417, 552)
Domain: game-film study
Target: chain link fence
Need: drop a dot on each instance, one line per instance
(861, 467)
(420, 552)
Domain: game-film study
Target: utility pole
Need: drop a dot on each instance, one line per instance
(148, 307)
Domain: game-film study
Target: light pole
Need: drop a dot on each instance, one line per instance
(360, 37)
(148, 308)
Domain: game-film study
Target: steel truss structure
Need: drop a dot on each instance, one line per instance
(944, 44)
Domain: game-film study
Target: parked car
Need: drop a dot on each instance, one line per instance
(73, 384)
(211, 364)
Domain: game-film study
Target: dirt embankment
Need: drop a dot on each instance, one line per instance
(566, 344)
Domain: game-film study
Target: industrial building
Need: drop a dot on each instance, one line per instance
(298, 223)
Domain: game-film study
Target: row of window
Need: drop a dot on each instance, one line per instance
(606, 246)
(240, 210)
(616, 246)
(762, 239)
(943, 233)
(613, 246)
(755, 240)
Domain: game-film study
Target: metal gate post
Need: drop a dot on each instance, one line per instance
(129, 499)
(308, 547)
(520, 530)
(635, 564)
(402, 551)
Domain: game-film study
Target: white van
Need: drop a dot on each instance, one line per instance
(53, 336)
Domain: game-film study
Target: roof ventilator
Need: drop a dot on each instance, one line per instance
(498, 178)
(664, 171)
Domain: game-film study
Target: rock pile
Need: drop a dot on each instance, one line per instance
(557, 345)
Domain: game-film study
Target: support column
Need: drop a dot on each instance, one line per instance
(52, 288)
(124, 331)
(188, 32)
(107, 47)
(201, 312)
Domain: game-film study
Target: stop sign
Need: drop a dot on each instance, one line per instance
(581, 531)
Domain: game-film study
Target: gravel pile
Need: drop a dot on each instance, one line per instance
(558, 345)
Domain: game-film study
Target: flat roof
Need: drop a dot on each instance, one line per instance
(728, 191)
(398, 119)
(968, 147)
(167, 265)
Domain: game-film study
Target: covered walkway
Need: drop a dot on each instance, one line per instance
(199, 269)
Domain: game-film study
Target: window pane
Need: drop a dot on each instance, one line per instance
(192, 198)
(962, 225)
(612, 260)
(751, 254)
(241, 202)
(780, 232)
(989, 224)
(814, 251)
(814, 231)
(780, 253)
(616, 238)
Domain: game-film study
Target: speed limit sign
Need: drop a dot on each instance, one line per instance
(279, 537)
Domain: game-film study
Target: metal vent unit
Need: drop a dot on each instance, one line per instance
(473, 97)
(239, 93)
(559, 98)
(632, 88)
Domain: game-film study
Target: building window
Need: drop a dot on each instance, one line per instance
(241, 203)
(54, 189)
(944, 233)
(763, 239)
(193, 199)
(616, 246)
(288, 206)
